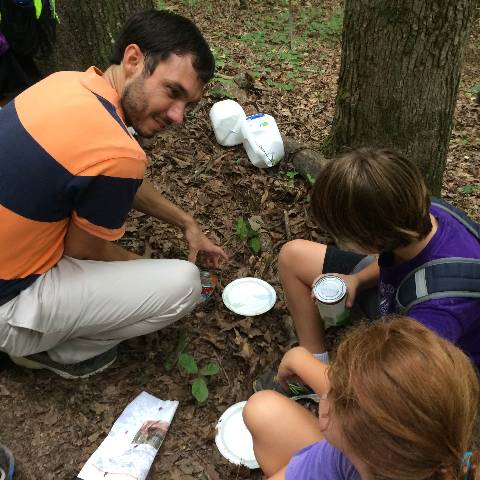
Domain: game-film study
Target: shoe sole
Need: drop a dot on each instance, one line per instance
(307, 396)
(26, 363)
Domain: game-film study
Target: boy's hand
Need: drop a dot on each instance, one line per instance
(352, 281)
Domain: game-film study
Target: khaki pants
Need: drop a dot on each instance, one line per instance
(81, 308)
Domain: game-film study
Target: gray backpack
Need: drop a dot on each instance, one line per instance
(445, 277)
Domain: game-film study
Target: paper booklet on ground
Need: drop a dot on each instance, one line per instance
(130, 448)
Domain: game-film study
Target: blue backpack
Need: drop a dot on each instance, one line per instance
(444, 277)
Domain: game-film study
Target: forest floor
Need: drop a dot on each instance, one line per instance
(54, 425)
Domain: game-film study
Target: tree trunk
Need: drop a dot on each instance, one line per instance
(399, 75)
(86, 32)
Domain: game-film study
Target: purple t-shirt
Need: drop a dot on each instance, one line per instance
(320, 461)
(456, 319)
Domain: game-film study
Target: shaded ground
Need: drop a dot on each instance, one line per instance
(53, 425)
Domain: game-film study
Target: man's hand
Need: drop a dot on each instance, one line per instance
(199, 245)
(150, 201)
(352, 281)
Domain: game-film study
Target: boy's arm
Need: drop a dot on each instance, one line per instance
(299, 362)
(368, 277)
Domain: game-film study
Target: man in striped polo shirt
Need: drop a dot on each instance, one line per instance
(70, 171)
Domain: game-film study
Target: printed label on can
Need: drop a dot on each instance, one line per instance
(209, 281)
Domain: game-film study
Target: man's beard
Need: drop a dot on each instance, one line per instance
(134, 103)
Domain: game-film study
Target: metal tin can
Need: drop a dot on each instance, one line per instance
(330, 292)
(209, 281)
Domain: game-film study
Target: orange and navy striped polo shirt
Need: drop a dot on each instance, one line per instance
(65, 155)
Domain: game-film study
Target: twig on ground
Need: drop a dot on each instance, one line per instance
(287, 225)
(223, 370)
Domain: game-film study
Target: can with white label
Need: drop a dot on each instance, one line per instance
(330, 293)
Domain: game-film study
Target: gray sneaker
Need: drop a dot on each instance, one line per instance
(75, 370)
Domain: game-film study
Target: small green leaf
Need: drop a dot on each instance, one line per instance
(200, 389)
(188, 363)
(475, 89)
(255, 245)
(291, 174)
(242, 228)
(311, 179)
(467, 189)
(210, 369)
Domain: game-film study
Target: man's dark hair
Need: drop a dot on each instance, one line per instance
(159, 33)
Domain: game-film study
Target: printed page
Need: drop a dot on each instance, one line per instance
(130, 448)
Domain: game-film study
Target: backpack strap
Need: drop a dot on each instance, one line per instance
(471, 225)
(441, 278)
(444, 277)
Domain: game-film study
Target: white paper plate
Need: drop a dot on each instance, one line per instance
(233, 438)
(249, 296)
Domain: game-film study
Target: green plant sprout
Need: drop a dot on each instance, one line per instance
(469, 189)
(187, 363)
(311, 179)
(199, 383)
(245, 231)
(475, 89)
(291, 174)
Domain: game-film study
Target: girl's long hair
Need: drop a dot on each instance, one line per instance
(406, 401)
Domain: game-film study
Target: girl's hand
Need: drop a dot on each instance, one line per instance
(289, 366)
(352, 283)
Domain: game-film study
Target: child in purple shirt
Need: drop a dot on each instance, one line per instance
(376, 206)
(320, 461)
(382, 414)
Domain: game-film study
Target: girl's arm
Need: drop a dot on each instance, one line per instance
(300, 363)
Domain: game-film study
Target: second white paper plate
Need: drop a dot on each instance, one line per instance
(233, 438)
(249, 296)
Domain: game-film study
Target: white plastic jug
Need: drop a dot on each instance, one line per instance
(262, 140)
(227, 118)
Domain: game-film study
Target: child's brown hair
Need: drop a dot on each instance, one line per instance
(374, 198)
(406, 400)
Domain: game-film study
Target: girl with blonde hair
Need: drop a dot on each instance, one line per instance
(397, 403)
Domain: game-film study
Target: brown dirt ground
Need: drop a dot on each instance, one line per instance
(53, 425)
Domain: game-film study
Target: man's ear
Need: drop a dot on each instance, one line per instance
(132, 61)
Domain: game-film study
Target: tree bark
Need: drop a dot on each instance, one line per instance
(86, 32)
(399, 76)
